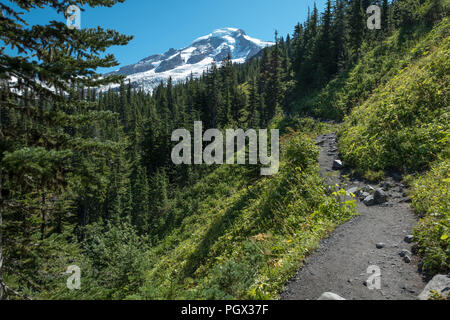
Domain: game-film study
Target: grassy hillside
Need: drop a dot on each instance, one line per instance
(244, 240)
(379, 62)
(431, 199)
(404, 125)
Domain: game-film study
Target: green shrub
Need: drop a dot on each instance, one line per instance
(404, 124)
(431, 199)
(246, 237)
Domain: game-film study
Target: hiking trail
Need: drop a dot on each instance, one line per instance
(341, 262)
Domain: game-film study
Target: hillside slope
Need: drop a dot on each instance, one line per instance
(243, 240)
(404, 126)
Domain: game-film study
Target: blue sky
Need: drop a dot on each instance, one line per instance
(160, 25)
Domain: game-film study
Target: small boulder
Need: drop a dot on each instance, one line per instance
(369, 201)
(409, 238)
(352, 191)
(338, 165)
(369, 189)
(330, 296)
(404, 253)
(440, 284)
(363, 195)
(380, 196)
(407, 259)
(380, 245)
(386, 185)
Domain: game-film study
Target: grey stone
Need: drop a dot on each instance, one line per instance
(353, 190)
(363, 195)
(386, 185)
(330, 296)
(380, 245)
(369, 201)
(409, 238)
(380, 196)
(404, 253)
(337, 164)
(440, 283)
(407, 259)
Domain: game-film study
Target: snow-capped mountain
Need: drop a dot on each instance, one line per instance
(194, 59)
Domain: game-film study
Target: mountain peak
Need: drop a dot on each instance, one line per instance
(222, 32)
(194, 59)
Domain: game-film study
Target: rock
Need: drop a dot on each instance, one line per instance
(320, 142)
(369, 188)
(380, 245)
(380, 196)
(330, 296)
(440, 283)
(404, 253)
(369, 201)
(407, 259)
(337, 165)
(409, 238)
(352, 190)
(386, 185)
(363, 195)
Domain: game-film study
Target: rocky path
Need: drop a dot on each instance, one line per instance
(376, 237)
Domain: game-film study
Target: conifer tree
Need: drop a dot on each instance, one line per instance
(38, 156)
(356, 27)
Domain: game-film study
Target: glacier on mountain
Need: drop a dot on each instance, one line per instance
(194, 59)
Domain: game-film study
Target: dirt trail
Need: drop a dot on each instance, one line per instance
(341, 262)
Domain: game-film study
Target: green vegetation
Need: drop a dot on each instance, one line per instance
(404, 124)
(87, 177)
(431, 199)
(242, 240)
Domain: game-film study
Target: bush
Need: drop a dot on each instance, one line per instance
(431, 199)
(404, 124)
(245, 238)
